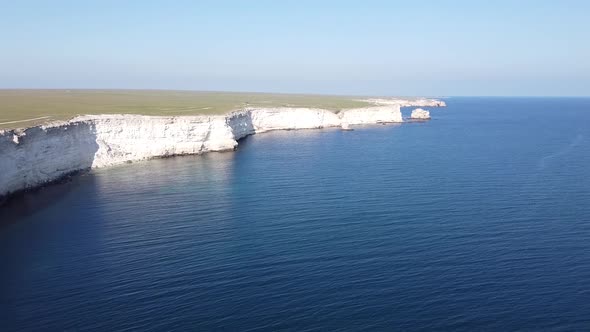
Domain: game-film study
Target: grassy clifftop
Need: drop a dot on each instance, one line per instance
(24, 108)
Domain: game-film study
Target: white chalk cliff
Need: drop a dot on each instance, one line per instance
(41, 154)
(420, 102)
(420, 114)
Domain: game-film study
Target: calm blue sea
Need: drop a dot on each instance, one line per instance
(476, 220)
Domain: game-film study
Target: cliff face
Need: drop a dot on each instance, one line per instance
(292, 118)
(124, 138)
(42, 154)
(420, 102)
(376, 114)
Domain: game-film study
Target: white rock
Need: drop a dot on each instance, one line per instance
(421, 114)
(266, 119)
(375, 114)
(421, 102)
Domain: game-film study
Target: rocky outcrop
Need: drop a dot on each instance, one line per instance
(420, 114)
(37, 155)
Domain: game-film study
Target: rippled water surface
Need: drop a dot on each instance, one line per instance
(476, 220)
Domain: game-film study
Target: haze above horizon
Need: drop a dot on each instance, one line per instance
(459, 48)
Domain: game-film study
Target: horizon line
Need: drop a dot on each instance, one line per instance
(295, 93)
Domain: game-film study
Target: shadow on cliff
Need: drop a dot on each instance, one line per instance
(54, 157)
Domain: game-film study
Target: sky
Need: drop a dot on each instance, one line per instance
(398, 48)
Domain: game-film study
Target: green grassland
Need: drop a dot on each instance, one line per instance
(25, 108)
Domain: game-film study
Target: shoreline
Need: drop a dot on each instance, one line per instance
(41, 155)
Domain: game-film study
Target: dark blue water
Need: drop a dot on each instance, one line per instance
(476, 220)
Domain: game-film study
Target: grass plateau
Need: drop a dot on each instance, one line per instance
(25, 108)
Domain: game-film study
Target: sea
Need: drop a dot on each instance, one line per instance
(477, 220)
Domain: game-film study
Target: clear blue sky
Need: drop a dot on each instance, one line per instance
(516, 47)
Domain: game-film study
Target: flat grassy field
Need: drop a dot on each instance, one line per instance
(25, 108)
